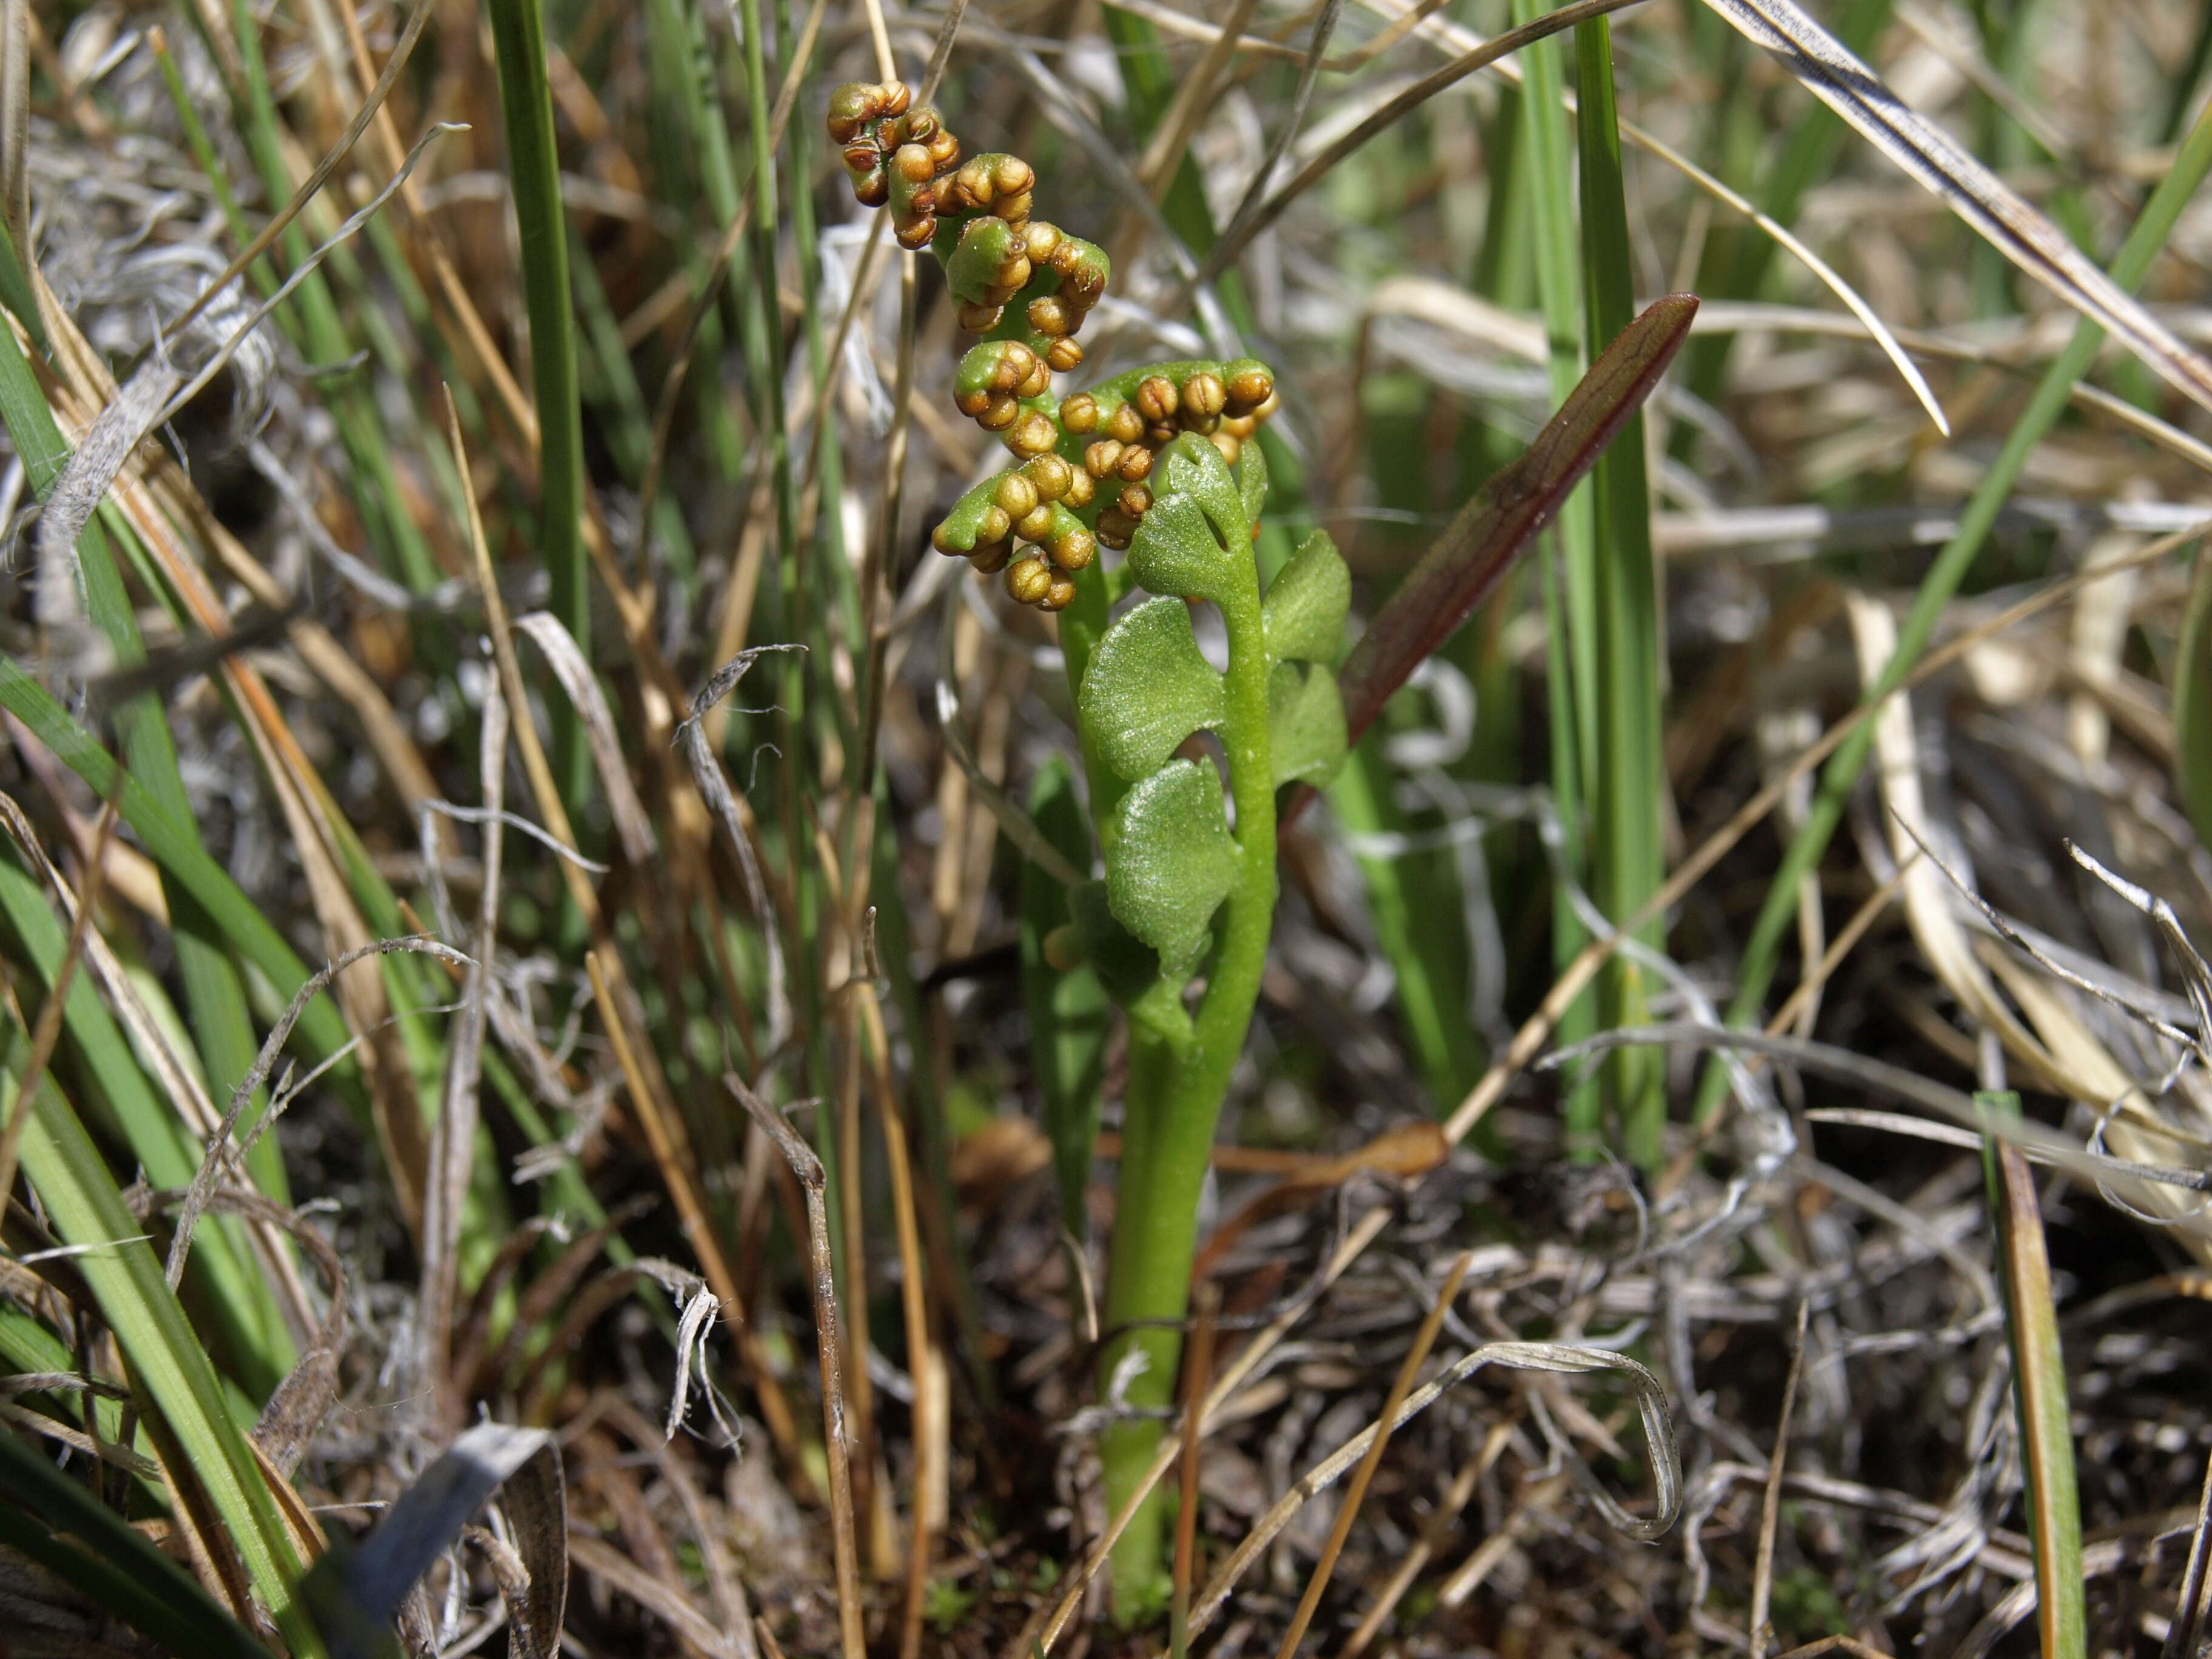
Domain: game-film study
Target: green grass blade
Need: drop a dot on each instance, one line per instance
(1416, 903)
(223, 1032)
(260, 127)
(2046, 1435)
(1569, 592)
(1761, 951)
(1068, 1012)
(87, 1209)
(1627, 772)
(518, 29)
(1738, 258)
(60, 1525)
(176, 849)
(15, 292)
(250, 1323)
(2192, 702)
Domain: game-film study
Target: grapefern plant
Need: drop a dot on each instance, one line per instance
(1158, 462)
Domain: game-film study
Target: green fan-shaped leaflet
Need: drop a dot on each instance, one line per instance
(1305, 606)
(1173, 861)
(1193, 539)
(1125, 964)
(1148, 688)
(1305, 723)
(1252, 480)
(1175, 552)
(1194, 467)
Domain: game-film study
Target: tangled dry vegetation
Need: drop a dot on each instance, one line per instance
(672, 509)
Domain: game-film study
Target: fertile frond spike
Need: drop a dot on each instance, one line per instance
(1083, 477)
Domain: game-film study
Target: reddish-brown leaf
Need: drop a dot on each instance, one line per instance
(1467, 561)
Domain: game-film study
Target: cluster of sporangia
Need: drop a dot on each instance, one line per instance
(976, 214)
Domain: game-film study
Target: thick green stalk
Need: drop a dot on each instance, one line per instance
(1628, 856)
(1171, 1106)
(2132, 265)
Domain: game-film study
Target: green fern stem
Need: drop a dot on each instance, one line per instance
(1139, 462)
(1170, 1108)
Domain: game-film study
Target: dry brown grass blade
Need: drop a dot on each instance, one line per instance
(354, 687)
(616, 1569)
(723, 1584)
(476, 342)
(1530, 1039)
(453, 1153)
(1828, 1644)
(1554, 1357)
(1206, 1305)
(2039, 1144)
(549, 1293)
(223, 1153)
(808, 1170)
(1325, 15)
(266, 237)
(310, 814)
(1769, 1507)
(1936, 924)
(179, 1081)
(155, 394)
(2039, 1378)
(2005, 219)
(1795, 1011)
(1445, 1515)
(723, 808)
(1356, 1495)
(1455, 37)
(1534, 1503)
(2182, 1630)
(536, 1500)
(913, 1300)
(649, 1085)
(1017, 825)
(1193, 102)
(870, 1499)
(115, 1456)
(206, 1541)
(632, 827)
(2060, 1047)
